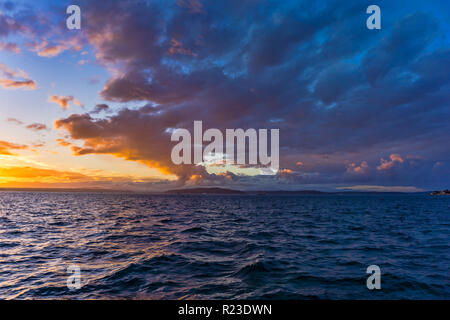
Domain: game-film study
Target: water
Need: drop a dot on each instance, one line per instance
(223, 247)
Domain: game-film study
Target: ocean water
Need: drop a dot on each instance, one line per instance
(223, 247)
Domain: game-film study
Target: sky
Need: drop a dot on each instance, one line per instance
(357, 109)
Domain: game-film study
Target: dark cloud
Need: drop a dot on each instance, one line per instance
(131, 134)
(100, 108)
(409, 38)
(9, 26)
(344, 97)
(8, 5)
(37, 127)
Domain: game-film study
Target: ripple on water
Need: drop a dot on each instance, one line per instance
(221, 247)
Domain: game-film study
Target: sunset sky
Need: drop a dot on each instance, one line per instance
(357, 109)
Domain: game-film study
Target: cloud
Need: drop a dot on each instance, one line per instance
(8, 5)
(63, 143)
(14, 84)
(9, 26)
(37, 127)
(11, 79)
(194, 6)
(37, 177)
(389, 164)
(6, 147)
(358, 169)
(344, 96)
(46, 49)
(135, 135)
(63, 101)
(400, 47)
(285, 171)
(28, 24)
(34, 173)
(100, 108)
(176, 47)
(94, 80)
(10, 47)
(15, 121)
(33, 126)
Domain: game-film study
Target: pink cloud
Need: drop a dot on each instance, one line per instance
(358, 169)
(37, 127)
(15, 121)
(11, 84)
(11, 79)
(63, 101)
(389, 164)
(45, 49)
(176, 47)
(10, 47)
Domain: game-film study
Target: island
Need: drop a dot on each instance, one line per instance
(440, 193)
(234, 191)
(205, 191)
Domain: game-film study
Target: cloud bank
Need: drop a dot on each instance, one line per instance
(354, 106)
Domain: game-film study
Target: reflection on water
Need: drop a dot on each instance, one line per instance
(206, 246)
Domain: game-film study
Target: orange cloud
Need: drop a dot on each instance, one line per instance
(33, 173)
(358, 169)
(50, 51)
(130, 136)
(5, 148)
(45, 49)
(195, 178)
(177, 47)
(226, 174)
(63, 142)
(37, 177)
(63, 101)
(389, 164)
(11, 84)
(10, 79)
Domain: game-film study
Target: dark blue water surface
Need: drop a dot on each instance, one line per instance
(211, 247)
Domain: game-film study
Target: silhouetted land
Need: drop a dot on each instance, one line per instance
(440, 193)
(270, 192)
(207, 190)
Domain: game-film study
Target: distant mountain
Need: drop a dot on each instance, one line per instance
(289, 192)
(205, 190)
(233, 191)
(268, 192)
